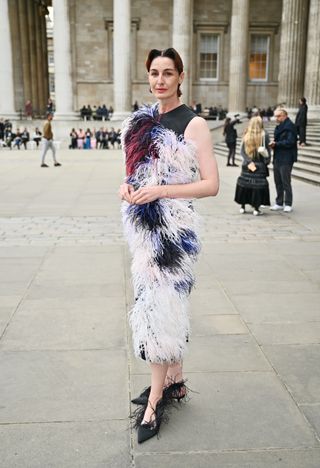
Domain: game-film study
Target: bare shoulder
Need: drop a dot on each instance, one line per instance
(197, 128)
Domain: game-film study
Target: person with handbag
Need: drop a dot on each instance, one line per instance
(252, 185)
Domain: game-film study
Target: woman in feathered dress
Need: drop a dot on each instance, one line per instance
(169, 162)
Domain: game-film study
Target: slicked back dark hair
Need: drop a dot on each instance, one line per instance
(170, 53)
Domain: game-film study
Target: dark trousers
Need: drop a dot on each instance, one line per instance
(282, 180)
(232, 152)
(301, 130)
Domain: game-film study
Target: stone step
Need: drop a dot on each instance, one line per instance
(313, 149)
(303, 170)
(312, 161)
(310, 152)
(300, 166)
(309, 178)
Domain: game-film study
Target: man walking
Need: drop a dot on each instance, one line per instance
(284, 155)
(48, 142)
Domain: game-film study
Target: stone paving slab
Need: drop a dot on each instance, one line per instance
(279, 308)
(308, 458)
(63, 328)
(287, 333)
(93, 444)
(49, 386)
(312, 413)
(298, 367)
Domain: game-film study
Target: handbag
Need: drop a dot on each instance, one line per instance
(262, 150)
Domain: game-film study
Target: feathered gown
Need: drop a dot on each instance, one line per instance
(162, 237)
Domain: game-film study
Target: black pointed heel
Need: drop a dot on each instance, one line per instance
(142, 399)
(147, 430)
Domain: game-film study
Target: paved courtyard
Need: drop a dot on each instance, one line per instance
(67, 373)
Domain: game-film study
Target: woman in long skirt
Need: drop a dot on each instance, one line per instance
(252, 185)
(169, 162)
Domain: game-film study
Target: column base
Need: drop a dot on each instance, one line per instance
(120, 116)
(67, 116)
(239, 114)
(313, 112)
(9, 115)
(292, 112)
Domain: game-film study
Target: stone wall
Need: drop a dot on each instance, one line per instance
(92, 30)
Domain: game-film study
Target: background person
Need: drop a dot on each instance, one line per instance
(285, 155)
(160, 224)
(301, 121)
(37, 136)
(48, 142)
(25, 137)
(230, 134)
(252, 185)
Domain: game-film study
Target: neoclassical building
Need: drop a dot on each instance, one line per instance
(237, 53)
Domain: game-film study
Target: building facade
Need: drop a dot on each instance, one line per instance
(237, 53)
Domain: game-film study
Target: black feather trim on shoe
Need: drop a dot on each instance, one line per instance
(177, 391)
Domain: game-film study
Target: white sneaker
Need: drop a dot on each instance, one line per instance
(242, 211)
(287, 208)
(276, 207)
(257, 213)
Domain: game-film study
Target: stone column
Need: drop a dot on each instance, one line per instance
(62, 61)
(33, 56)
(25, 51)
(292, 52)
(239, 57)
(312, 77)
(182, 42)
(39, 59)
(121, 59)
(7, 109)
(44, 54)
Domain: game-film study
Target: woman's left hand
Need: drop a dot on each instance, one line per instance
(147, 194)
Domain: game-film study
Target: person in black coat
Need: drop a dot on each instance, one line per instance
(285, 153)
(230, 134)
(301, 121)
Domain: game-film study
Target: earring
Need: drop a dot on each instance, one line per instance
(150, 91)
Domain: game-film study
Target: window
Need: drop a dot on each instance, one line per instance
(50, 57)
(209, 46)
(258, 63)
(51, 83)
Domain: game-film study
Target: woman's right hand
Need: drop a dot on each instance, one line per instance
(125, 192)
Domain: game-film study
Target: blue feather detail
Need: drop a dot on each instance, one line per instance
(189, 242)
(148, 216)
(184, 286)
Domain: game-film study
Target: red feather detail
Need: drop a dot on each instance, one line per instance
(138, 139)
